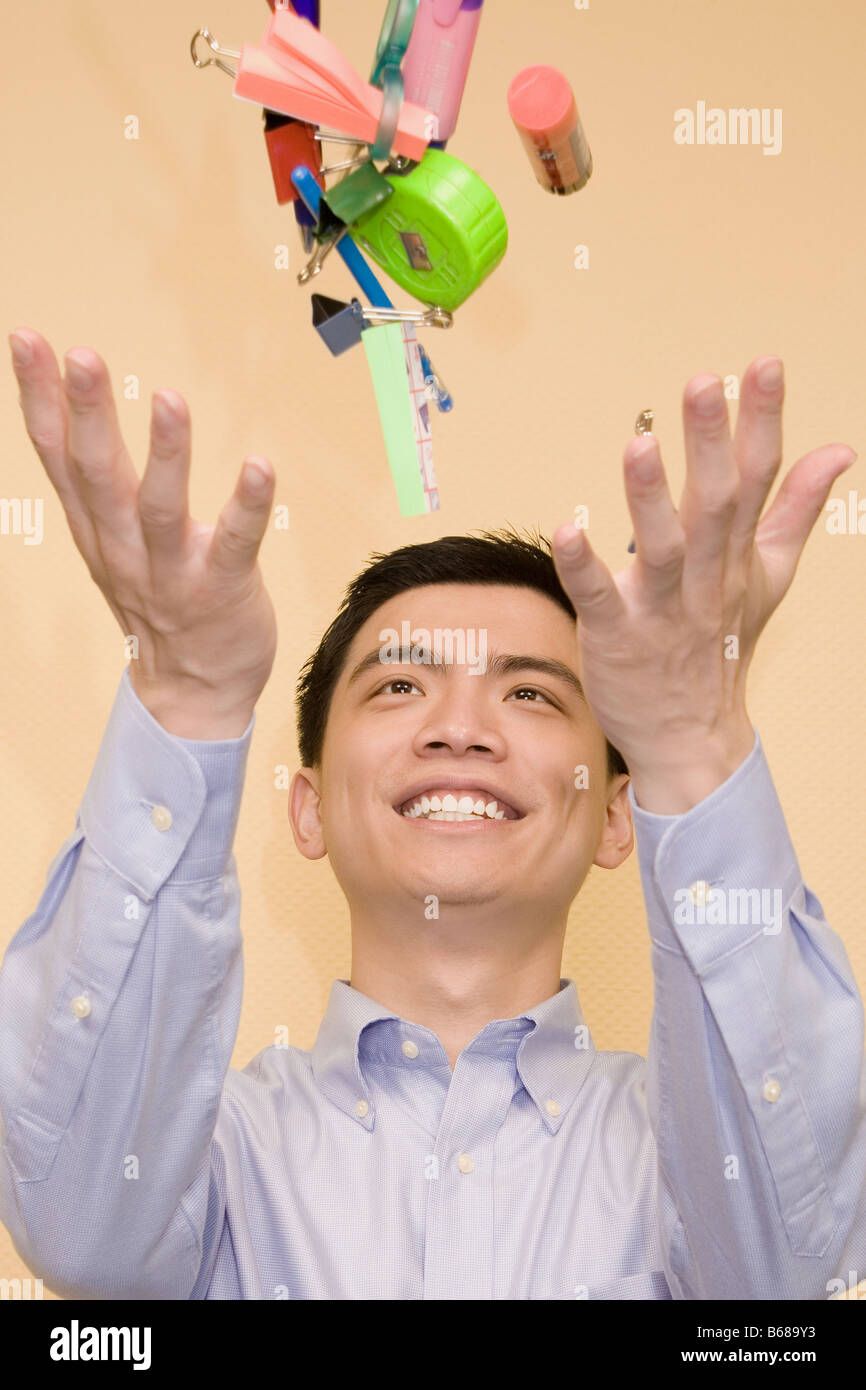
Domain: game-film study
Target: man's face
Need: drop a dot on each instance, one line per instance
(400, 734)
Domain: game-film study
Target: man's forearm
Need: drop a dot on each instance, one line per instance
(755, 1062)
(123, 993)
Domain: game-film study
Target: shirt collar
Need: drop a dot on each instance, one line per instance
(552, 1055)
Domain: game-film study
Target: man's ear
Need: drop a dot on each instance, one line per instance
(617, 841)
(305, 813)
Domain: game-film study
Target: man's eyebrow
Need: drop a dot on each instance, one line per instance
(500, 665)
(507, 665)
(371, 659)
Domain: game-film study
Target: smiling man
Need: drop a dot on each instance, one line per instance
(453, 1133)
(443, 794)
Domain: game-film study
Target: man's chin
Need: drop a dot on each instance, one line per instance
(453, 886)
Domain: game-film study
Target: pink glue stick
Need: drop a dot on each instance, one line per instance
(544, 111)
(437, 59)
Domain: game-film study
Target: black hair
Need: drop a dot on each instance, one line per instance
(493, 557)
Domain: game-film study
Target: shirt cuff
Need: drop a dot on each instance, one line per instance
(721, 873)
(159, 805)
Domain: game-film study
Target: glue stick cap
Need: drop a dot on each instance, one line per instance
(541, 102)
(544, 113)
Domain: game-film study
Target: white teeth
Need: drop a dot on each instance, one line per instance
(453, 815)
(450, 808)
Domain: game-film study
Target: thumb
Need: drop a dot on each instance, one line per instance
(782, 533)
(585, 578)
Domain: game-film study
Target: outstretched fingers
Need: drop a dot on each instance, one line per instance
(101, 467)
(43, 405)
(757, 447)
(711, 489)
(163, 498)
(243, 520)
(658, 531)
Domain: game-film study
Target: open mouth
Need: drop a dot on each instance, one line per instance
(476, 805)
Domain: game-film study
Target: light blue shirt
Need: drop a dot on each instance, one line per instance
(136, 1164)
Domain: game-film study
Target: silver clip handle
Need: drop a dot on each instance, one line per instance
(324, 248)
(214, 48)
(333, 138)
(434, 317)
(346, 164)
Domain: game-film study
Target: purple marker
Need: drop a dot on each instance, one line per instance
(304, 9)
(437, 60)
(307, 9)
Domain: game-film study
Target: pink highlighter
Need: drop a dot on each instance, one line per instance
(437, 59)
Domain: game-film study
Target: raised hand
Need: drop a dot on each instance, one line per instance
(665, 645)
(192, 594)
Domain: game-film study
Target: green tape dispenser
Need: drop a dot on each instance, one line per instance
(441, 233)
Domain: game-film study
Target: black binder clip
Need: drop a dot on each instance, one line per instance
(338, 324)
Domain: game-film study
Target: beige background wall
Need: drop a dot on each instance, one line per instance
(160, 254)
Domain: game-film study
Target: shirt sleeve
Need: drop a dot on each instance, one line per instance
(756, 1087)
(119, 1005)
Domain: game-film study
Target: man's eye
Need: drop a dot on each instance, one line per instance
(529, 690)
(404, 681)
(398, 680)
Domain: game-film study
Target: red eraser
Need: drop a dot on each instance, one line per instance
(288, 145)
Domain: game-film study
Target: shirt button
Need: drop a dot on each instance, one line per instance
(464, 1163)
(80, 1006)
(361, 1109)
(772, 1090)
(552, 1107)
(409, 1049)
(698, 892)
(161, 817)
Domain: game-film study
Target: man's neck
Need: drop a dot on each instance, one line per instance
(455, 993)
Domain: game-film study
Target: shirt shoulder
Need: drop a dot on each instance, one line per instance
(270, 1081)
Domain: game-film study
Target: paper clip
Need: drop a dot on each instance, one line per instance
(214, 48)
(642, 425)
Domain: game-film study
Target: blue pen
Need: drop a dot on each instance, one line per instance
(311, 193)
(440, 395)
